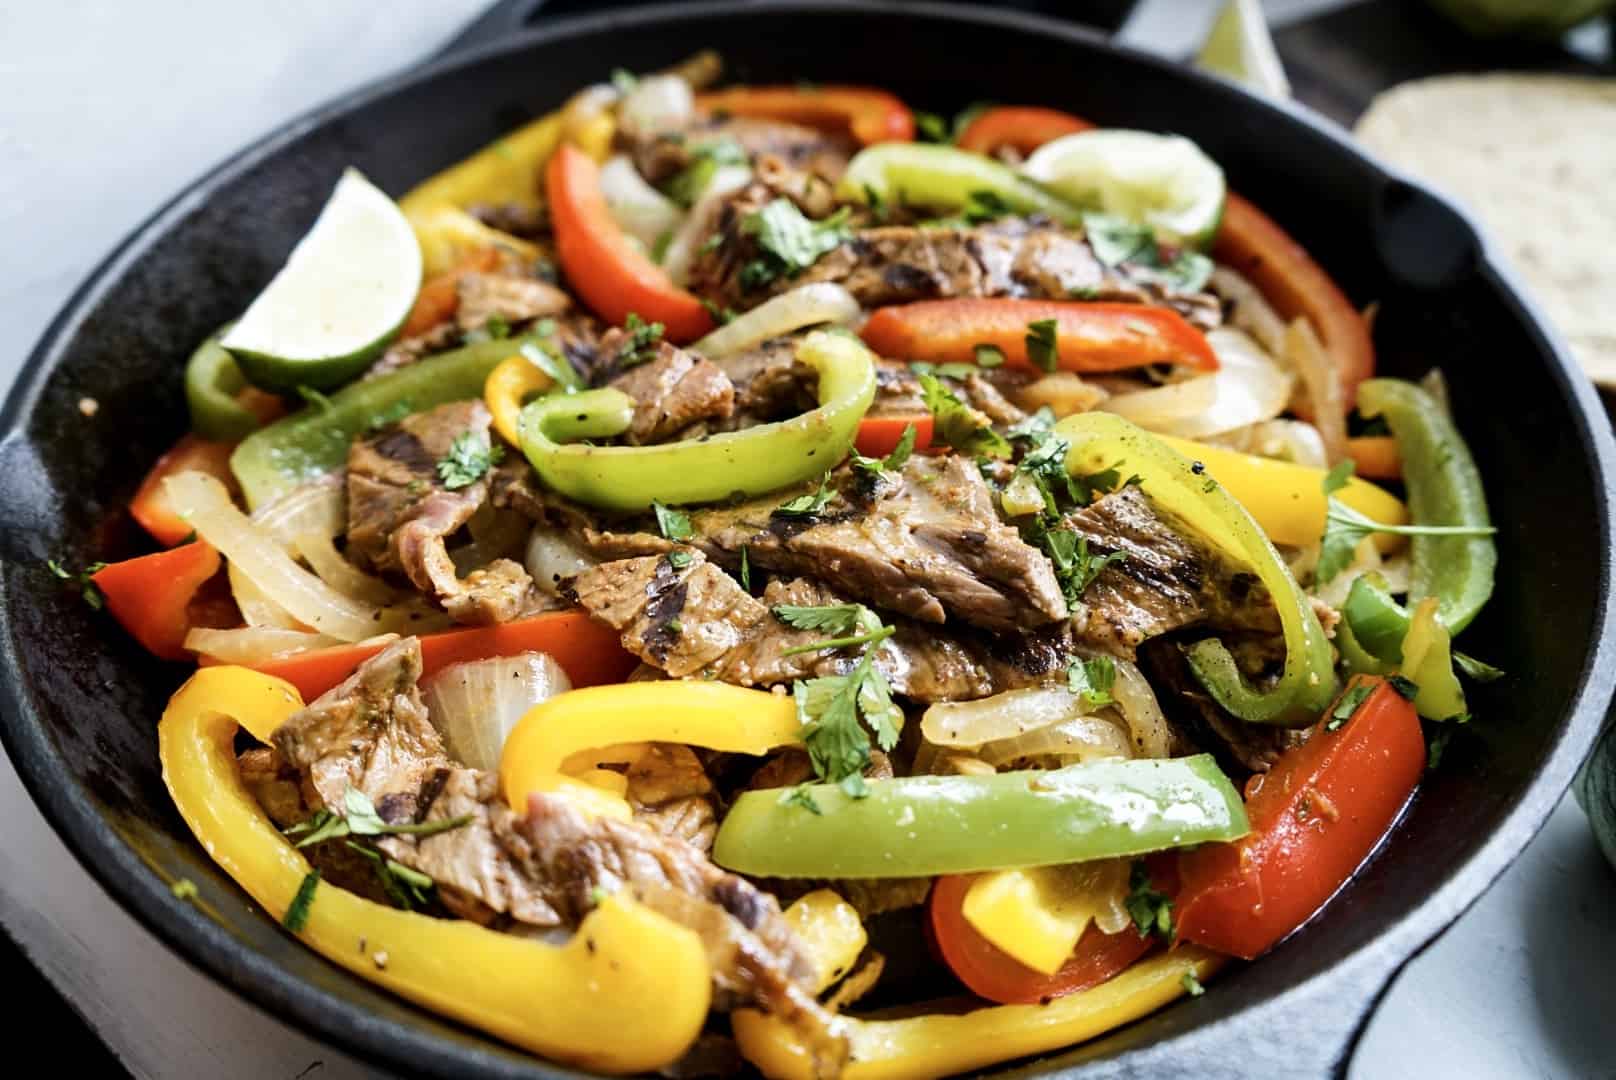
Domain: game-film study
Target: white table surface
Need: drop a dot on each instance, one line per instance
(107, 108)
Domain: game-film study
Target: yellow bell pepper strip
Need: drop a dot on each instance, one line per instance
(922, 1047)
(507, 170)
(1288, 499)
(519, 378)
(1037, 914)
(1428, 663)
(1177, 487)
(1377, 637)
(914, 825)
(314, 441)
(751, 462)
(449, 237)
(1444, 489)
(628, 993)
(830, 933)
(710, 714)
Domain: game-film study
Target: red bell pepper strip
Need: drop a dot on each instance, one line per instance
(1022, 127)
(1253, 243)
(878, 435)
(1314, 818)
(989, 972)
(150, 505)
(1090, 337)
(613, 276)
(439, 297)
(589, 652)
(868, 114)
(151, 595)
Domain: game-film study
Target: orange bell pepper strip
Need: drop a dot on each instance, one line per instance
(1252, 243)
(150, 505)
(1376, 457)
(1024, 128)
(1314, 818)
(589, 652)
(878, 435)
(868, 114)
(1090, 337)
(439, 297)
(613, 276)
(150, 596)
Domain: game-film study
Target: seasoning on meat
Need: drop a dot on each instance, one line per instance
(671, 391)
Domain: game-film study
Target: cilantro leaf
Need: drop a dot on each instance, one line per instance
(1075, 567)
(565, 375)
(984, 206)
(84, 579)
(1043, 343)
(1035, 428)
(359, 818)
(679, 558)
(831, 618)
(893, 461)
(470, 456)
(988, 356)
(1348, 706)
(1151, 911)
(808, 504)
(746, 569)
(719, 315)
(931, 128)
(687, 185)
(801, 796)
(297, 912)
(673, 524)
(1091, 680)
(788, 242)
(830, 708)
(1477, 669)
(642, 341)
(1117, 240)
(1346, 528)
(407, 888)
(1192, 985)
(962, 427)
(1408, 688)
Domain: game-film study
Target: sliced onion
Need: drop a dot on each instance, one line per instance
(1159, 406)
(476, 704)
(1147, 727)
(203, 501)
(316, 507)
(1250, 385)
(702, 219)
(1286, 440)
(552, 555)
(1082, 738)
(643, 212)
(657, 103)
(257, 609)
(970, 724)
(807, 305)
(1322, 385)
(1248, 309)
(584, 107)
(324, 559)
(253, 644)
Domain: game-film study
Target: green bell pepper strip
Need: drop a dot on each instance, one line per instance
(711, 469)
(917, 825)
(315, 440)
(1187, 492)
(1444, 488)
(1374, 631)
(944, 178)
(212, 381)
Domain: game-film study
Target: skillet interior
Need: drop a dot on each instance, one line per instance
(81, 699)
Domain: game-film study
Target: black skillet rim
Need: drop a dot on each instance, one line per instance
(206, 945)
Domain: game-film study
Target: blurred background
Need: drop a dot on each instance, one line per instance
(108, 108)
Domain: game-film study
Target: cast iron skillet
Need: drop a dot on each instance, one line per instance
(80, 699)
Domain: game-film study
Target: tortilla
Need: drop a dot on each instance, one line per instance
(1534, 157)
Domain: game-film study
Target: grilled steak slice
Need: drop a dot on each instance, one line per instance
(728, 634)
(1169, 578)
(660, 154)
(1203, 725)
(512, 297)
(671, 391)
(670, 792)
(500, 592)
(754, 955)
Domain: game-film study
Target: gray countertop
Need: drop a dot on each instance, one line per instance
(108, 108)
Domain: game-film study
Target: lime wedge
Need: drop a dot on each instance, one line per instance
(1240, 48)
(1164, 181)
(341, 297)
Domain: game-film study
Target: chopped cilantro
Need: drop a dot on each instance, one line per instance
(802, 796)
(1091, 680)
(746, 569)
(831, 618)
(719, 315)
(1151, 911)
(788, 242)
(984, 206)
(641, 343)
(807, 504)
(496, 328)
(1345, 528)
(84, 579)
(673, 524)
(1043, 345)
(297, 912)
(988, 356)
(1408, 688)
(395, 412)
(687, 185)
(1476, 669)
(959, 425)
(408, 889)
(470, 457)
(1350, 702)
(564, 374)
(1117, 240)
(1035, 428)
(893, 461)
(830, 708)
(679, 558)
(359, 818)
(932, 128)
(1192, 985)
(1436, 744)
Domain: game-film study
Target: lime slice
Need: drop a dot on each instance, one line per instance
(1163, 181)
(1240, 48)
(341, 297)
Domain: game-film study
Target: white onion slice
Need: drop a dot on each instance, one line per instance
(1161, 405)
(552, 555)
(257, 609)
(316, 507)
(1137, 702)
(657, 103)
(640, 209)
(1249, 309)
(476, 704)
(1322, 384)
(806, 305)
(1250, 385)
(1013, 713)
(1285, 440)
(324, 559)
(253, 644)
(203, 501)
(702, 219)
(1082, 738)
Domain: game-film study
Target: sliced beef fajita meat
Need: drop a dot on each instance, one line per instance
(1167, 579)
(406, 351)
(1201, 724)
(660, 154)
(513, 298)
(401, 511)
(672, 389)
(528, 223)
(670, 792)
(754, 955)
(769, 382)
(698, 619)
(500, 592)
